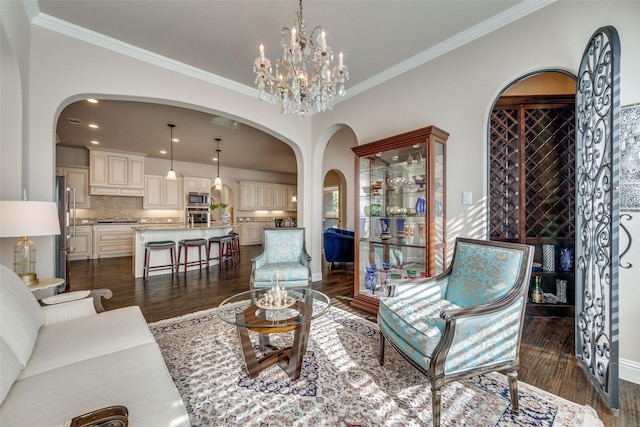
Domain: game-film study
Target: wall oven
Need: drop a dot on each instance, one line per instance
(197, 216)
(197, 200)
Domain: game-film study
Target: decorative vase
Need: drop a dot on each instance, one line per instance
(225, 218)
(561, 291)
(548, 258)
(566, 259)
(537, 294)
(370, 279)
(399, 227)
(439, 207)
(384, 228)
(421, 206)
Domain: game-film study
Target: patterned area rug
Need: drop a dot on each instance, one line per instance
(341, 384)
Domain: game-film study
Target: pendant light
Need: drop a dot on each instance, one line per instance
(217, 184)
(171, 175)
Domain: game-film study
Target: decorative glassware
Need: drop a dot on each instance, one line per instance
(548, 258)
(566, 259)
(370, 279)
(421, 206)
(399, 227)
(561, 291)
(384, 228)
(537, 294)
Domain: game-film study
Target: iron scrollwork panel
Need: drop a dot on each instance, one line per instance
(597, 219)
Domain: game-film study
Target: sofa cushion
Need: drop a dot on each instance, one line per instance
(65, 343)
(416, 320)
(9, 369)
(20, 315)
(136, 378)
(289, 271)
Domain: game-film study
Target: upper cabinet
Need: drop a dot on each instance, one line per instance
(266, 196)
(197, 184)
(116, 173)
(77, 179)
(248, 196)
(401, 206)
(162, 193)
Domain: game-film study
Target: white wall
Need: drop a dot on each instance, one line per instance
(454, 92)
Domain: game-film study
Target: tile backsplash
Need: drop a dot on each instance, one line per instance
(123, 207)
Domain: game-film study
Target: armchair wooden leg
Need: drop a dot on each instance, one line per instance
(381, 349)
(513, 390)
(436, 398)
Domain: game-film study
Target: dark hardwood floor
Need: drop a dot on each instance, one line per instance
(547, 358)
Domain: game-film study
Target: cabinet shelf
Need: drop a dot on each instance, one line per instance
(388, 197)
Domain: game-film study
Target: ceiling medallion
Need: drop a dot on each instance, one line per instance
(304, 82)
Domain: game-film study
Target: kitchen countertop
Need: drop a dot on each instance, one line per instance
(146, 227)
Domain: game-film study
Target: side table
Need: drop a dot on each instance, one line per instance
(44, 284)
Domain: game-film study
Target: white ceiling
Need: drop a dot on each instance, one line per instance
(380, 39)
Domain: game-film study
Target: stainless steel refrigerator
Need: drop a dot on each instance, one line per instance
(66, 201)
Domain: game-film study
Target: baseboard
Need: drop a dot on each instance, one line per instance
(629, 370)
(316, 276)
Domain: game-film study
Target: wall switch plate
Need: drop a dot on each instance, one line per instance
(467, 197)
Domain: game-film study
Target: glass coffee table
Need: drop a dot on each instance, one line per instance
(253, 310)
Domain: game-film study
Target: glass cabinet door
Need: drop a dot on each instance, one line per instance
(401, 234)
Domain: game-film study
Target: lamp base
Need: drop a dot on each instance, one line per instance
(30, 279)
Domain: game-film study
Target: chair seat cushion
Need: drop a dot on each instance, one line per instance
(289, 271)
(417, 321)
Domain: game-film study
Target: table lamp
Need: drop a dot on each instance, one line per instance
(27, 218)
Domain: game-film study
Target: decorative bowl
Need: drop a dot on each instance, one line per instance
(367, 190)
(376, 187)
(396, 183)
(375, 209)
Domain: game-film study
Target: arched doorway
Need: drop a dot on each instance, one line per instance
(531, 179)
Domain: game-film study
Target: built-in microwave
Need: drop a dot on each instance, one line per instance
(197, 200)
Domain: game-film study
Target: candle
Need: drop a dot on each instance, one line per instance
(293, 36)
(261, 54)
(340, 63)
(323, 41)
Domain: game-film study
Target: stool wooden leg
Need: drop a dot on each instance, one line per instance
(145, 270)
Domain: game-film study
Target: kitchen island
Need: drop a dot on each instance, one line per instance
(175, 232)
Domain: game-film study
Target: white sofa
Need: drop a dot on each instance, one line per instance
(61, 361)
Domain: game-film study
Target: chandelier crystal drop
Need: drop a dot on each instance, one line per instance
(304, 81)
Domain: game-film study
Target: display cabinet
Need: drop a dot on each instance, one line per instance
(401, 206)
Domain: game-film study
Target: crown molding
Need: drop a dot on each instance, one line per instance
(496, 22)
(80, 33)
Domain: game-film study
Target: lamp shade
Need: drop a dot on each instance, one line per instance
(28, 218)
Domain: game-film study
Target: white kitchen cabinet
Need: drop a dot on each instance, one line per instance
(280, 197)
(291, 205)
(197, 184)
(116, 173)
(265, 196)
(161, 193)
(252, 233)
(78, 179)
(112, 241)
(81, 242)
(248, 196)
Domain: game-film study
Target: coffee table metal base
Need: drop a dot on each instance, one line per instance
(288, 358)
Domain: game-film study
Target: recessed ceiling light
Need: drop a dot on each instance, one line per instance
(175, 140)
(93, 126)
(163, 151)
(92, 100)
(94, 142)
(215, 159)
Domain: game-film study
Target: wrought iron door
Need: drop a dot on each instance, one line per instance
(597, 211)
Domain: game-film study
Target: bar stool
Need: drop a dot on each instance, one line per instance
(236, 243)
(193, 243)
(226, 250)
(149, 247)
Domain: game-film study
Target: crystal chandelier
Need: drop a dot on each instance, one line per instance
(304, 82)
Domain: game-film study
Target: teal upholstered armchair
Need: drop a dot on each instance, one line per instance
(283, 251)
(464, 322)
